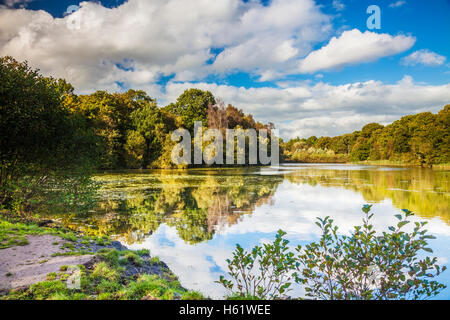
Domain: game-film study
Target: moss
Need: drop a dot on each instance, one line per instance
(132, 257)
(155, 260)
(143, 252)
(110, 255)
(106, 296)
(69, 237)
(103, 270)
(105, 282)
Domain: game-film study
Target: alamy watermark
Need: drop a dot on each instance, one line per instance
(243, 146)
(374, 20)
(74, 20)
(74, 280)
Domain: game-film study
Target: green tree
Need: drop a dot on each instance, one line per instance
(148, 122)
(43, 144)
(191, 106)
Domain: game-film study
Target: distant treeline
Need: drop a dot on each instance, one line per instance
(421, 139)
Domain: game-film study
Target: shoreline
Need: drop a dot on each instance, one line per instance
(43, 261)
(444, 166)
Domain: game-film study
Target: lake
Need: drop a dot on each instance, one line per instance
(192, 219)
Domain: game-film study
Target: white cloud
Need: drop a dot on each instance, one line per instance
(13, 3)
(353, 47)
(164, 37)
(397, 4)
(326, 110)
(338, 5)
(425, 57)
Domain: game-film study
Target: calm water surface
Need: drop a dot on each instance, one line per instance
(192, 219)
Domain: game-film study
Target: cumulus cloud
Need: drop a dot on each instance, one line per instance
(273, 38)
(326, 110)
(163, 37)
(353, 47)
(425, 57)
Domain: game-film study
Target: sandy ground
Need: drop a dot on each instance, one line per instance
(24, 265)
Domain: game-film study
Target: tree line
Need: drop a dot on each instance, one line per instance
(53, 139)
(420, 139)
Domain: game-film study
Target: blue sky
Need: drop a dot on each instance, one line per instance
(311, 67)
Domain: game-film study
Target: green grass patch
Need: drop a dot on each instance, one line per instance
(106, 281)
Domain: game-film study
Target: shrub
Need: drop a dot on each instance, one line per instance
(264, 272)
(368, 266)
(365, 265)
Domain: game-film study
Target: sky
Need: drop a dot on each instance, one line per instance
(312, 67)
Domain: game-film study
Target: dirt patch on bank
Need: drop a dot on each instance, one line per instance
(21, 266)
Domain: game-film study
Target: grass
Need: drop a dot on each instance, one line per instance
(131, 257)
(106, 281)
(155, 260)
(15, 234)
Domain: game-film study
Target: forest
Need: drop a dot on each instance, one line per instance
(422, 139)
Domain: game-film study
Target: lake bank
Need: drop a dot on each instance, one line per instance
(40, 262)
(443, 166)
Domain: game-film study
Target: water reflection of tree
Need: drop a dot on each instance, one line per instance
(196, 205)
(423, 191)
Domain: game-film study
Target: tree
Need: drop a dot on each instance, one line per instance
(417, 139)
(148, 123)
(41, 140)
(192, 106)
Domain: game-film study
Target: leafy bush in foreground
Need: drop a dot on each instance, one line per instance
(363, 266)
(265, 272)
